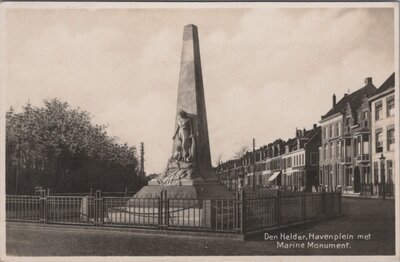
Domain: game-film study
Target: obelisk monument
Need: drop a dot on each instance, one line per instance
(189, 172)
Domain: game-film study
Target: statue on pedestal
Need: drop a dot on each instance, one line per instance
(181, 164)
(184, 131)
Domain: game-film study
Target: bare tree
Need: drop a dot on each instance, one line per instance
(242, 151)
(219, 160)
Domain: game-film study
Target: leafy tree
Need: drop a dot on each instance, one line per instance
(58, 147)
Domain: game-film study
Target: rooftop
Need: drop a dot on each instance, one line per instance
(355, 99)
(388, 84)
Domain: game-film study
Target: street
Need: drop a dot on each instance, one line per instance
(374, 220)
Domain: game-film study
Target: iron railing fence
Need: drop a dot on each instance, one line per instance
(367, 189)
(246, 212)
(23, 208)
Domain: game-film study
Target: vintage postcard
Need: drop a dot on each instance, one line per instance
(199, 131)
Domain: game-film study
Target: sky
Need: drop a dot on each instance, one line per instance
(266, 71)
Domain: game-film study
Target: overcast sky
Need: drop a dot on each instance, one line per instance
(266, 71)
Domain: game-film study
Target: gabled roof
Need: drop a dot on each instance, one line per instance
(355, 99)
(389, 83)
(310, 133)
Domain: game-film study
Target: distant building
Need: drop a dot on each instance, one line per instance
(292, 165)
(300, 162)
(382, 105)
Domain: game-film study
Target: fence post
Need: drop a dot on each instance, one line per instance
(304, 205)
(371, 188)
(99, 212)
(160, 197)
(340, 200)
(323, 201)
(166, 207)
(243, 211)
(43, 206)
(278, 208)
(236, 212)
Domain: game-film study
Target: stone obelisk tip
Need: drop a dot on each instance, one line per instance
(189, 32)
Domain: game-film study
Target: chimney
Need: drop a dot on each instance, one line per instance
(314, 126)
(368, 81)
(333, 100)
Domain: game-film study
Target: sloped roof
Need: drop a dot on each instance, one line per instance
(309, 134)
(355, 99)
(389, 83)
(312, 132)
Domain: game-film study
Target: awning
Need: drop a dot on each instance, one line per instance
(275, 175)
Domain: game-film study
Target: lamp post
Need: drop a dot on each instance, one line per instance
(382, 160)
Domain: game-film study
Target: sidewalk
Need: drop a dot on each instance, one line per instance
(357, 195)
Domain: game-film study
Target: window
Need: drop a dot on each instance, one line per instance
(365, 119)
(326, 132)
(289, 160)
(338, 129)
(390, 106)
(390, 139)
(379, 142)
(378, 110)
(347, 121)
(390, 171)
(331, 131)
(321, 152)
(331, 151)
(326, 151)
(313, 159)
(365, 115)
(338, 153)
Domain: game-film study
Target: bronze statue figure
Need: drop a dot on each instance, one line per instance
(184, 131)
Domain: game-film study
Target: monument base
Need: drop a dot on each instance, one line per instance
(198, 204)
(192, 190)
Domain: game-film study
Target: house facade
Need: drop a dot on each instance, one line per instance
(382, 106)
(300, 162)
(345, 141)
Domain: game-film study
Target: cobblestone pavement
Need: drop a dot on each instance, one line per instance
(373, 219)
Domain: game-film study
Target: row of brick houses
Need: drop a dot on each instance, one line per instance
(292, 164)
(353, 148)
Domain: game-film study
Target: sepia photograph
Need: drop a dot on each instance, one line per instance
(180, 131)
